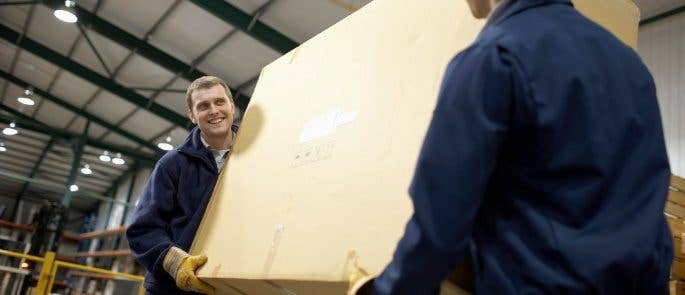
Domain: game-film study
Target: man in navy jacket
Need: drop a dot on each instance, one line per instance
(176, 195)
(545, 158)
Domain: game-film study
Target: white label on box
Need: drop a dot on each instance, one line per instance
(344, 118)
(325, 124)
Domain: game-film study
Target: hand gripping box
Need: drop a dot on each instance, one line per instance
(318, 177)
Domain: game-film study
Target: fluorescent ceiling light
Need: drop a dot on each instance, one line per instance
(11, 130)
(26, 101)
(26, 98)
(105, 157)
(166, 144)
(118, 160)
(73, 187)
(66, 13)
(65, 16)
(86, 169)
(2, 147)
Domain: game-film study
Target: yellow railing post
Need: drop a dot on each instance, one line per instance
(45, 273)
(53, 276)
(48, 272)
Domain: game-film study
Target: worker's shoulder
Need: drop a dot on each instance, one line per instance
(170, 161)
(561, 27)
(536, 34)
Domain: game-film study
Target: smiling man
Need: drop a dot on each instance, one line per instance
(176, 195)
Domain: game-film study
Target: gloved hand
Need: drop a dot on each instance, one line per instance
(182, 266)
(361, 283)
(361, 286)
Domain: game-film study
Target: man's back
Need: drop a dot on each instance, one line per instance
(576, 200)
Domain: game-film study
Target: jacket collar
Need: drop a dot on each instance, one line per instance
(193, 146)
(512, 7)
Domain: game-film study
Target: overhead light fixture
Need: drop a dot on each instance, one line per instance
(66, 13)
(11, 130)
(86, 169)
(73, 187)
(118, 160)
(166, 144)
(105, 157)
(2, 147)
(26, 98)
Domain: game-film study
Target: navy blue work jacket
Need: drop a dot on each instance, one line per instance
(170, 209)
(545, 158)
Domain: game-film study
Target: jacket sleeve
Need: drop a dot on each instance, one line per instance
(459, 153)
(148, 234)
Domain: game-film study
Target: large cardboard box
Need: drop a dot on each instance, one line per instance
(319, 173)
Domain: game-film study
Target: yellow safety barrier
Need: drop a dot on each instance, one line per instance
(44, 277)
(22, 255)
(47, 262)
(48, 271)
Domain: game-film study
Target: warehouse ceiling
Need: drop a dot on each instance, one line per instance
(124, 67)
(651, 8)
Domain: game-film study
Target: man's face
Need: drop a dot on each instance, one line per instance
(212, 111)
(480, 8)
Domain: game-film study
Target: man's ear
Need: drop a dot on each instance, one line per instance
(191, 117)
(233, 106)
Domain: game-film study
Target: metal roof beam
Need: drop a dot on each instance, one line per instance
(94, 49)
(661, 16)
(248, 24)
(31, 124)
(32, 174)
(92, 76)
(53, 187)
(78, 153)
(17, 3)
(78, 111)
(130, 41)
(140, 46)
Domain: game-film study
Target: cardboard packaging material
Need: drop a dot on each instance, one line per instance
(676, 196)
(678, 269)
(678, 233)
(318, 178)
(678, 183)
(674, 209)
(677, 287)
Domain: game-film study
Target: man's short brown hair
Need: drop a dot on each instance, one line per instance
(205, 82)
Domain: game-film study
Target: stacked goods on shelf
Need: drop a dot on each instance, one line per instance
(675, 212)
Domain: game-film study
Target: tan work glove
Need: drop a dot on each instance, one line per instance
(182, 266)
(362, 286)
(361, 283)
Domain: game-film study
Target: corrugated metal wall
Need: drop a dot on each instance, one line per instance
(661, 45)
(118, 210)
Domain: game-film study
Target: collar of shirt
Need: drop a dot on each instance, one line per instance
(218, 154)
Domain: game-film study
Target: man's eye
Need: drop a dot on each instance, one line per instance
(220, 102)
